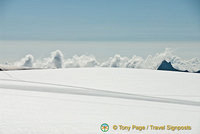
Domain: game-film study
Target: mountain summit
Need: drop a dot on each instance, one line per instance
(167, 66)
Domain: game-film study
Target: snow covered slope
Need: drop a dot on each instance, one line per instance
(79, 100)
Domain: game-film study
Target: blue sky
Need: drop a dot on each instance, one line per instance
(100, 20)
(101, 28)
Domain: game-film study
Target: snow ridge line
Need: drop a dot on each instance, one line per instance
(68, 89)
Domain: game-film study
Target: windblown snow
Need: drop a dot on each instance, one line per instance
(57, 60)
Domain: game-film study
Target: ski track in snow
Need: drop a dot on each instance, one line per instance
(56, 101)
(67, 89)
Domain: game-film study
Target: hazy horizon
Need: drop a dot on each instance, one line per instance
(15, 50)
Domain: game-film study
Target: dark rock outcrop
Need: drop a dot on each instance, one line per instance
(167, 66)
(198, 71)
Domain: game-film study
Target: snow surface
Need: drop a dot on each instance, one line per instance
(79, 100)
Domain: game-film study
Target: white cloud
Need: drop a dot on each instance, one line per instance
(57, 60)
(27, 61)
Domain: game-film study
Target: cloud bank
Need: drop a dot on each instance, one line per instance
(57, 60)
